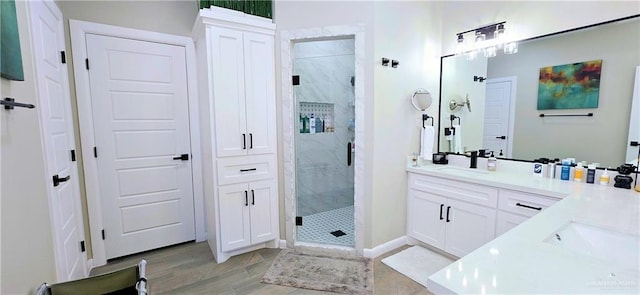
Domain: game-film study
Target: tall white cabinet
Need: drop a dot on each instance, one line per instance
(236, 82)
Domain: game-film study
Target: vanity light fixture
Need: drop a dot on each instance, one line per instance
(486, 39)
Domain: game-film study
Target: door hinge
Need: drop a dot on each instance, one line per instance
(73, 155)
(95, 152)
(296, 80)
(86, 63)
(298, 220)
(63, 57)
(82, 246)
(103, 236)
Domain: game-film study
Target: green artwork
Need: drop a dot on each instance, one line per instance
(10, 56)
(570, 86)
(254, 7)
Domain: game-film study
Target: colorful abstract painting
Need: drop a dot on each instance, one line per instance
(570, 86)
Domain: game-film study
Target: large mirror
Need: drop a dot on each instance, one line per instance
(492, 103)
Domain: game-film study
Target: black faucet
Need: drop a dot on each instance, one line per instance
(474, 159)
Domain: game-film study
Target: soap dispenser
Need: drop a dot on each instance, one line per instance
(492, 163)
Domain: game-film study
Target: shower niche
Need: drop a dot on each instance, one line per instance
(316, 117)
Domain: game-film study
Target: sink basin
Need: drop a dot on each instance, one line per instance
(613, 247)
(465, 171)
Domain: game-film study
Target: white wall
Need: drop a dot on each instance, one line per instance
(27, 257)
(527, 19)
(410, 33)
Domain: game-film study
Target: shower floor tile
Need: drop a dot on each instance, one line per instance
(317, 228)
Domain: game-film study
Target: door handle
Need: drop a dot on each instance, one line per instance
(244, 141)
(57, 179)
(246, 199)
(251, 140)
(441, 207)
(253, 198)
(348, 153)
(501, 137)
(448, 207)
(183, 157)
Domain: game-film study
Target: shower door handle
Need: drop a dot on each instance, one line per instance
(348, 153)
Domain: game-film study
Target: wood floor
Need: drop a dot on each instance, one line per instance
(190, 269)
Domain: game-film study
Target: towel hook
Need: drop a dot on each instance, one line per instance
(452, 118)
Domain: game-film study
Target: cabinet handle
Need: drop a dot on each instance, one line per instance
(253, 198)
(251, 140)
(246, 199)
(247, 170)
(348, 153)
(529, 207)
(448, 207)
(244, 141)
(441, 207)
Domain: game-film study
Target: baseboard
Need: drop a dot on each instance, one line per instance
(384, 248)
(283, 244)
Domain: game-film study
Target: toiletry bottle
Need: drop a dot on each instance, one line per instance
(591, 173)
(538, 168)
(473, 163)
(566, 169)
(551, 169)
(312, 124)
(492, 163)
(577, 174)
(305, 124)
(604, 178)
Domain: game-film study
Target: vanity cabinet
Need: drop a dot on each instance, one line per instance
(514, 207)
(236, 85)
(453, 216)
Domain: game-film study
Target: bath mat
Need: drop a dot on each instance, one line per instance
(323, 272)
(417, 263)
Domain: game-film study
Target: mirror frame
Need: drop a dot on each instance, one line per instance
(519, 41)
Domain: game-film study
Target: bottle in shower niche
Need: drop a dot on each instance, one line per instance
(319, 124)
(577, 173)
(312, 124)
(591, 173)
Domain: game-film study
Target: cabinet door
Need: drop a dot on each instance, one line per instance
(506, 221)
(470, 226)
(263, 204)
(235, 225)
(260, 93)
(424, 221)
(227, 66)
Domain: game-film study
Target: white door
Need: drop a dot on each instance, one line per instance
(227, 61)
(58, 137)
(497, 116)
(427, 217)
(235, 221)
(141, 123)
(260, 93)
(469, 226)
(263, 211)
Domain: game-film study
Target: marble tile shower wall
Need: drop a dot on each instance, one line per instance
(324, 181)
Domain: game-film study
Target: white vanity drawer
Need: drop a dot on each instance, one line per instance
(472, 193)
(523, 203)
(245, 169)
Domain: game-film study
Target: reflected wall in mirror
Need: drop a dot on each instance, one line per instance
(503, 112)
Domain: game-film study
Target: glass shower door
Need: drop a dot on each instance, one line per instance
(324, 141)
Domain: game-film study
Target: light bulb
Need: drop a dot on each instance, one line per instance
(460, 47)
(490, 51)
(511, 48)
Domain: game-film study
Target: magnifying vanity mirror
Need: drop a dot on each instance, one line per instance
(421, 100)
(505, 113)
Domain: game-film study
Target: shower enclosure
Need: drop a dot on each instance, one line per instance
(324, 80)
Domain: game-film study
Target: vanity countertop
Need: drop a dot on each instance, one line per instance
(527, 259)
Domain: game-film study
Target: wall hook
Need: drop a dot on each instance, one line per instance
(385, 61)
(394, 63)
(479, 79)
